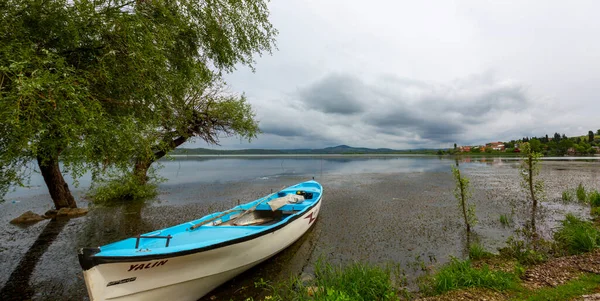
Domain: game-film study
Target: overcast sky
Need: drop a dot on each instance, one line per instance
(412, 74)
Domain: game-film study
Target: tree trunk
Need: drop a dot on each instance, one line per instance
(140, 169)
(531, 190)
(58, 188)
(463, 203)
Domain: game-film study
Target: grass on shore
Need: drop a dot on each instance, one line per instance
(362, 281)
(577, 236)
(477, 252)
(459, 274)
(357, 281)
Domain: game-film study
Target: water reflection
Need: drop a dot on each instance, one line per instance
(17, 287)
(219, 169)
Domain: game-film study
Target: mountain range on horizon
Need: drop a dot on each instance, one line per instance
(339, 149)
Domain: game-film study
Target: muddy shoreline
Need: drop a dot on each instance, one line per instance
(404, 217)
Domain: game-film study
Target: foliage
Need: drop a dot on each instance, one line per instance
(586, 284)
(535, 145)
(462, 192)
(594, 198)
(559, 145)
(95, 83)
(581, 193)
(577, 236)
(476, 252)
(461, 274)
(124, 187)
(525, 249)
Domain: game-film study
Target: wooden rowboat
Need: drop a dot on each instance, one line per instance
(187, 261)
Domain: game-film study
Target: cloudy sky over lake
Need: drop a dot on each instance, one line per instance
(412, 74)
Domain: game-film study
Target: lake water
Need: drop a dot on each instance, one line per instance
(378, 209)
(227, 169)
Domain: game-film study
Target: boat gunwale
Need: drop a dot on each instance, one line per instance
(88, 259)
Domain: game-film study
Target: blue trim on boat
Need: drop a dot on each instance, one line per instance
(116, 252)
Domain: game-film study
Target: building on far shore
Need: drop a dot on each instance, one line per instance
(498, 146)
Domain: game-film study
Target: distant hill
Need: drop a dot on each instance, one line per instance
(340, 149)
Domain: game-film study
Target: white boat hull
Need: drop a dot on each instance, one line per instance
(189, 277)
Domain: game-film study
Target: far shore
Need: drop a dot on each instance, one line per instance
(509, 156)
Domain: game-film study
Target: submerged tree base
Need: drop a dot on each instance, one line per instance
(126, 188)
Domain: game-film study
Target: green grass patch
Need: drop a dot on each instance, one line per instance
(577, 236)
(477, 252)
(357, 281)
(581, 194)
(585, 284)
(504, 220)
(459, 274)
(567, 196)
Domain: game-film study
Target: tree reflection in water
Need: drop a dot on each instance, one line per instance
(17, 287)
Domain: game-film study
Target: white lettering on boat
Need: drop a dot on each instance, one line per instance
(149, 265)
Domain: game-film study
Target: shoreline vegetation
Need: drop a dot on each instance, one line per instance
(528, 267)
(566, 268)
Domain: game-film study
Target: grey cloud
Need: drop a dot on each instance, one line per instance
(476, 104)
(435, 113)
(338, 94)
(281, 130)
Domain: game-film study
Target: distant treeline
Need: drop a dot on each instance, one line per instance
(556, 145)
(560, 145)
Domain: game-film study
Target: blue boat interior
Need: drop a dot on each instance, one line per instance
(219, 227)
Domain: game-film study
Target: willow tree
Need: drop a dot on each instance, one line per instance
(85, 83)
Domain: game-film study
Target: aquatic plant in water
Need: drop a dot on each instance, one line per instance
(581, 194)
(462, 192)
(567, 196)
(530, 169)
(594, 198)
(461, 274)
(504, 220)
